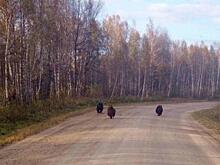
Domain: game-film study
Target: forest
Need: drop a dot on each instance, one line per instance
(60, 49)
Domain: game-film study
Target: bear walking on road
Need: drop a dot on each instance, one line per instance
(111, 112)
(99, 107)
(159, 110)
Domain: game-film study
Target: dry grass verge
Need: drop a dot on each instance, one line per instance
(209, 118)
(32, 128)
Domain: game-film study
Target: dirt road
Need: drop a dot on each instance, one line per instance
(135, 136)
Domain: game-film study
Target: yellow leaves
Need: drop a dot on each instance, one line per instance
(3, 8)
(4, 16)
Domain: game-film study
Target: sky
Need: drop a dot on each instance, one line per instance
(190, 20)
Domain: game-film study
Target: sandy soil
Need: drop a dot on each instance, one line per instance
(135, 136)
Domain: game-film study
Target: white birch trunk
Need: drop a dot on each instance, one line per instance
(6, 57)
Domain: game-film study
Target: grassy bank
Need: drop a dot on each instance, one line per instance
(209, 118)
(18, 122)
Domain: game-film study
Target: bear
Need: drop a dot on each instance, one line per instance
(111, 112)
(159, 110)
(99, 107)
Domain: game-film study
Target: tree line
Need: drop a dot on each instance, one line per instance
(56, 49)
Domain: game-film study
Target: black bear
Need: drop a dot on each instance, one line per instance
(99, 107)
(159, 110)
(111, 112)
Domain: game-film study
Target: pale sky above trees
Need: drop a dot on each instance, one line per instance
(190, 20)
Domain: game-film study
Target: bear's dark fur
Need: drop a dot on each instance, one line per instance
(99, 107)
(159, 110)
(111, 112)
